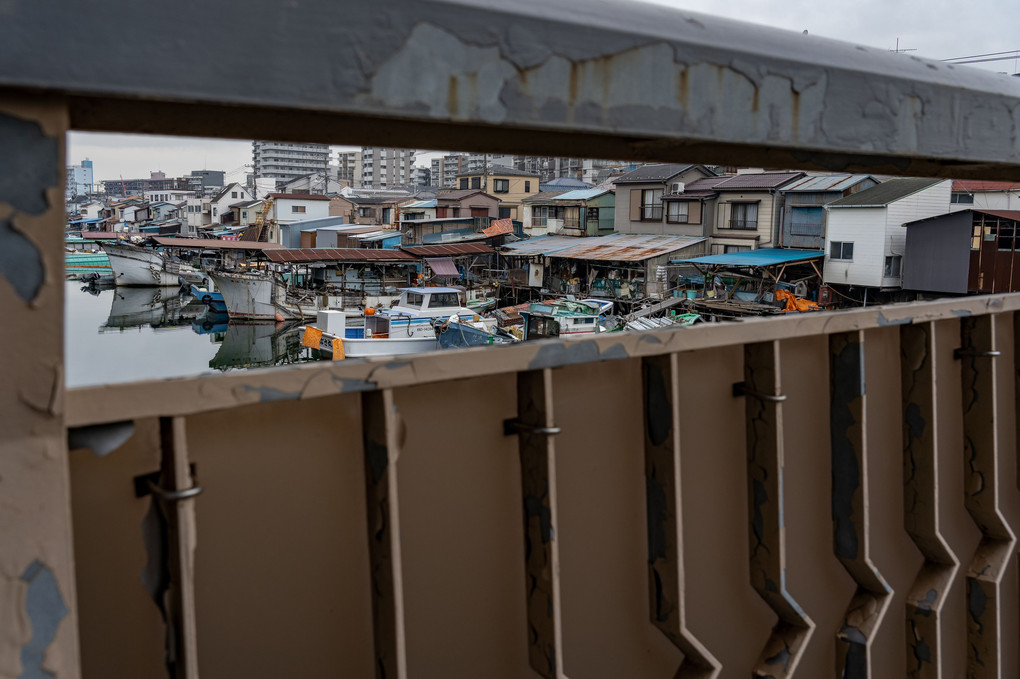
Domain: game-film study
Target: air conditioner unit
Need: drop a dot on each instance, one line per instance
(676, 187)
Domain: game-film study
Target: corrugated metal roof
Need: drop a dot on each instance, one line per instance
(338, 254)
(539, 245)
(830, 182)
(214, 244)
(442, 266)
(757, 180)
(420, 204)
(581, 194)
(449, 249)
(759, 257)
(614, 248)
(626, 247)
(886, 192)
(968, 185)
(498, 227)
(543, 196)
(1002, 214)
(298, 196)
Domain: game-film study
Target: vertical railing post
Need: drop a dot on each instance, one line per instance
(850, 506)
(382, 441)
(927, 596)
(175, 491)
(666, 583)
(764, 425)
(981, 423)
(38, 635)
(535, 428)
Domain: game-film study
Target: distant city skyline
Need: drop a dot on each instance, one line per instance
(933, 29)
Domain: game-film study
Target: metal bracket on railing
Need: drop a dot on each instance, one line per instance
(174, 495)
(515, 426)
(740, 389)
(148, 484)
(960, 353)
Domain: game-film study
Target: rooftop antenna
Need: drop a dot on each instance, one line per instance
(898, 50)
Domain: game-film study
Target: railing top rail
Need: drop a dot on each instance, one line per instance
(94, 405)
(710, 89)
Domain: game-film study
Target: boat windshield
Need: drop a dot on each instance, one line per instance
(443, 299)
(413, 299)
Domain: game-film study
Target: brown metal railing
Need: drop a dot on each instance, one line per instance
(821, 495)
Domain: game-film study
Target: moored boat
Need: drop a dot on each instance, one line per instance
(134, 265)
(265, 296)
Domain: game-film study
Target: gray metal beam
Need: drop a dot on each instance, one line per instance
(625, 79)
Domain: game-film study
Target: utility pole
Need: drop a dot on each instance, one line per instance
(905, 49)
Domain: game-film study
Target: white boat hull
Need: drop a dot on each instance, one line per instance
(388, 346)
(138, 266)
(256, 297)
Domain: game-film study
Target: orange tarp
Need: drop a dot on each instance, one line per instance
(794, 303)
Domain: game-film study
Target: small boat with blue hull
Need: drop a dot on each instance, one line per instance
(211, 298)
(457, 334)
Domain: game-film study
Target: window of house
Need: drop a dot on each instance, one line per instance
(736, 248)
(592, 216)
(501, 185)
(527, 186)
(214, 212)
(297, 208)
(1007, 236)
(504, 213)
(807, 221)
(841, 251)
(744, 216)
(651, 205)
(892, 266)
(233, 194)
(677, 211)
(364, 212)
(463, 182)
(476, 182)
(962, 198)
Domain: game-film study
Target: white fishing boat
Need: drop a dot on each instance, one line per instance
(133, 265)
(408, 327)
(258, 295)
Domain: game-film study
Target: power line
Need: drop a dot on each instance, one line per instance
(990, 54)
(981, 61)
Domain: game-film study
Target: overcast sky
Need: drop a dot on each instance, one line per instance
(936, 29)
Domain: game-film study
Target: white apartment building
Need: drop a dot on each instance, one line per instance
(174, 196)
(283, 161)
(383, 168)
(80, 179)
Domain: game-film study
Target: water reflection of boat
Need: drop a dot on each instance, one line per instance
(211, 322)
(255, 344)
(158, 307)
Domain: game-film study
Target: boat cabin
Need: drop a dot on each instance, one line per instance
(414, 312)
(561, 318)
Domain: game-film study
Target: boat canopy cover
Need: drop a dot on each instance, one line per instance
(443, 266)
(759, 257)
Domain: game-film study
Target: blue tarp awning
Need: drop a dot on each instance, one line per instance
(759, 257)
(91, 220)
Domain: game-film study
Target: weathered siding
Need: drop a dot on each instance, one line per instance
(758, 238)
(937, 255)
(865, 228)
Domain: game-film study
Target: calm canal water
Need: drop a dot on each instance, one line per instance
(119, 335)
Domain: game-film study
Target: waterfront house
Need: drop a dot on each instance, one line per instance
(865, 239)
(466, 203)
(246, 212)
(419, 209)
(973, 250)
(221, 210)
(689, 208)
(639, 206)
(748, 210)
(803, 212)
(199, 213)
(981, 194)
(583, 212)
(510, 186)
(296, 207)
